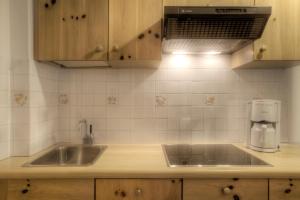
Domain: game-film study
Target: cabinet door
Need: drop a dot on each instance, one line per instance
(84, 30)
(47, 30)
(284, 189)
(135, 29)
(138, 189)
(75, 189)
(71, 30)
(225, 189)
(281, 38)
(208, 2)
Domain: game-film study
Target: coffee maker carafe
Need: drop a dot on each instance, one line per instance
(264, 125)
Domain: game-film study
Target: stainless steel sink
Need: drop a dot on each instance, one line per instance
(69, 155)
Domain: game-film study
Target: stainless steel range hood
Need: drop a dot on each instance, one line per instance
(212, 29)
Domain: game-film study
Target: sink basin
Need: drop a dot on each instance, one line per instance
(69, 155)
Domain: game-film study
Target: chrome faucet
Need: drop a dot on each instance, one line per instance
(86, 133)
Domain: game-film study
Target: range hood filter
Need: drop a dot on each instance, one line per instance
(224, 29)
(194, 46)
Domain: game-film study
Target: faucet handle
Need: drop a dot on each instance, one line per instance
(91, 129)
(91, 134)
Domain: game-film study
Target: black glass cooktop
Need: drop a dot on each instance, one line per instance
(202, 155)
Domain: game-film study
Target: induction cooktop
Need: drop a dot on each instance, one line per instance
(205, 155)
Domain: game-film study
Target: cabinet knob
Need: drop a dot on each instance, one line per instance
(138, 191)
(260, 54)
(227, 190)
(116, 48)
(263, 48)
(99, 49)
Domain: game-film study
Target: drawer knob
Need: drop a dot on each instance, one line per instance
(99, 49)
(116, 48)
(227, 190)
(138, 191)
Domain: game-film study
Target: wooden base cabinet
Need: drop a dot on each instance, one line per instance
(284, 189)
(3, 189)
(225, 189)
(138, 189)
(49, 189)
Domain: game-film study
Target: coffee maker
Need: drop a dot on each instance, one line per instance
(263, 126)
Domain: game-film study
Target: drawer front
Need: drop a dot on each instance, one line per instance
(225, 189)
(284, 189)
(50, 189)
(142, 189)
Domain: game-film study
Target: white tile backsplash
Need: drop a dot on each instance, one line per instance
(36, 122)
(187, 99)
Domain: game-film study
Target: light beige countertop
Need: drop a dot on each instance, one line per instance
(147, 161)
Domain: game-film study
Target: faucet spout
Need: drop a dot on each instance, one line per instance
(87, 135)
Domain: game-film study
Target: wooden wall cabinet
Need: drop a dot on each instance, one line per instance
(281, 38)
(142, 189)
(47, 30)
(98, 30)
(49, 189)
(71, 30)
(135, 30)
(280, 42)
(284, 189)
(208, 2)
(225, 189)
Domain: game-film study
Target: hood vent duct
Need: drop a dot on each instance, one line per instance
(226, 29)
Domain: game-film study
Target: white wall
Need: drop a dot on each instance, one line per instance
(185, 82)
(4, 79)
(34, 121)
(293, 86)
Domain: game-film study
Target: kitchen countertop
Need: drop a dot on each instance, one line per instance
(147, 161)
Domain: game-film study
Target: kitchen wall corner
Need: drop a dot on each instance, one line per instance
(33, 87)
(4, 80)
(293, 88)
